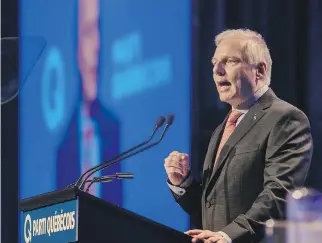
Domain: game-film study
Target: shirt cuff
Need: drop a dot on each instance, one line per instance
(181, 189)
(227, 238)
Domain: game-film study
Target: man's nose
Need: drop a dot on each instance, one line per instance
(219, 69)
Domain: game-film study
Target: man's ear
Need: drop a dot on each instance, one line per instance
(261, 71)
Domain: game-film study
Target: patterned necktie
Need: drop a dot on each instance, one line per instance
(229, 128)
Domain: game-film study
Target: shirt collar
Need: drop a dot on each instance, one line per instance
(244, 107)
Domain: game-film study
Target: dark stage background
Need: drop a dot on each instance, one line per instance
(293, 32)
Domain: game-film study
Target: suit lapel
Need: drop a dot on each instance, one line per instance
(215, 140)
(255, 113)
(209, 159)
(250, 119)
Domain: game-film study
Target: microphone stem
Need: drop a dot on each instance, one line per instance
(79, 182)
(125, 157)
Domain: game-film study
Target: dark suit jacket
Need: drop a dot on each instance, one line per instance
(268, 154)
(68, 154)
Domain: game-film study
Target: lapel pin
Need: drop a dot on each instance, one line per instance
(255, 117)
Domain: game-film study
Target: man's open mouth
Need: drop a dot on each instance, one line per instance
(224, 83)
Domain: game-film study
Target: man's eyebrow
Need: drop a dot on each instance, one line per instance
(225, 57)
(221, 58)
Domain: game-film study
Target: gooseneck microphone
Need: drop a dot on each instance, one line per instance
(80, 181)
(124, 155)
(109, 178)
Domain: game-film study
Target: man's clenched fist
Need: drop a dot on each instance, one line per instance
(177, 167)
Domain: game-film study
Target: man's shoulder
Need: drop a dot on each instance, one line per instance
(283, 109)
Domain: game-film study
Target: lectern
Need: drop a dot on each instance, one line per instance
(71, 215)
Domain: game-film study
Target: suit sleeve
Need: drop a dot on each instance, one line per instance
(190, 201)
(287, 160)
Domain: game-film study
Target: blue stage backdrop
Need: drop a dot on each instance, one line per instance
(110, 68)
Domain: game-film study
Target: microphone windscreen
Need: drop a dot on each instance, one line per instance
(160, 121)
(170, 119)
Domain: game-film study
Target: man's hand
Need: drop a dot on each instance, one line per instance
(206, 236)
(177, 167)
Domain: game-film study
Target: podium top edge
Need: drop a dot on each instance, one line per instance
(49, 198)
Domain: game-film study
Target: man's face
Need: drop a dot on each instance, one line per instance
(235, 79)
(88, 47)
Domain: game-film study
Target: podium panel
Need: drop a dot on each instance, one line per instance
(72, 215)
(53, 224)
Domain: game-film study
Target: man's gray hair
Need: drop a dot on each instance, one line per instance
(255, 48)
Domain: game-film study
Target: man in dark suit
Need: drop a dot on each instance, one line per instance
(258, 154)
